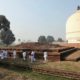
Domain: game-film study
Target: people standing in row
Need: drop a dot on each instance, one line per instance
(26, 56)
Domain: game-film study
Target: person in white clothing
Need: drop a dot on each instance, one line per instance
(5, 53)
(45, 55)
(1, 54)
(14, 54)
(32, 56)
(24, 55)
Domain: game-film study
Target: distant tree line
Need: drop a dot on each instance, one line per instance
(48, 39)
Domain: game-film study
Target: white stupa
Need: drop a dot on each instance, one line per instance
(73, 27)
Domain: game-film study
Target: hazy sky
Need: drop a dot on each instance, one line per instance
(32, 18)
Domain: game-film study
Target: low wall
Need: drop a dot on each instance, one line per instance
(76, 45)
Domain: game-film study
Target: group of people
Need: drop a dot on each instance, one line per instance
(4, 54)
(32, 56)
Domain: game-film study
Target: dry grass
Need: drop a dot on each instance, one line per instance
(13, 74)
(6, 74)
(63, 65)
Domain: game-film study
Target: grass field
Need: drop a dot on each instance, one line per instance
(62, 65)
(17, 74)
(6, 74)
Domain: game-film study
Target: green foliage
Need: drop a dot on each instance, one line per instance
(42, 39)
(50, 39)
(60, 40)
(6, 35)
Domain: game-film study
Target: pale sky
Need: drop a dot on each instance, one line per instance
(31, 18)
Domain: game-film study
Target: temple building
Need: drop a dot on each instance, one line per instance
(73, 27)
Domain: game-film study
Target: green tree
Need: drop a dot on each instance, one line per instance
(50, 39)
(42, 39)
(6, 35)
(60, 40)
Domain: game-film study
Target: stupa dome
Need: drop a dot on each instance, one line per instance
(73, 28)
